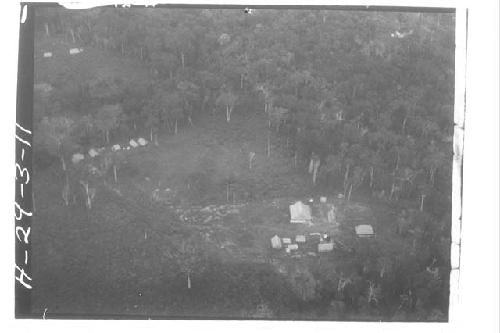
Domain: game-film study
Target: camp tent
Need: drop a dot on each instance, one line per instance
(300, 239)
(364, 230)
(325, 247)
(276, 242)
(300, 213)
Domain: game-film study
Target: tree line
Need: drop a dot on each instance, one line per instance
(368, 93)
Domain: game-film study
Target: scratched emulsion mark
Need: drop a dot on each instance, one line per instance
(458, 147)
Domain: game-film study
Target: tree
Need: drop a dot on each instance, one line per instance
(234, 61)
(434, 159)
(172, 105)
(424, 190)
(298, 79)
(89, 194)
(278, 116)
(189, 93)
(134, 99)
(269, 96)
(210, 84)
(55, 136)
(354, 181)
(165, 108)
(108, 118)
(330, 112)
(227, 100)
(152, 113)
(374, 162)
(332, 168)
(191, 258)
(181, 41)
(107, 90)
(164, 63)
(88, 123)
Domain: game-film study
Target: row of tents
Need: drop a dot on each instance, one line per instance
(94, 152)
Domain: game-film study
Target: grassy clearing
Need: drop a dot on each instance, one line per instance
(122, 248)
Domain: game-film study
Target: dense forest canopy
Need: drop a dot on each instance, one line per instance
(369, 94)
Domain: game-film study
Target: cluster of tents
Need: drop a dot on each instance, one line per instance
(94, 152)
(302, 213)
(324, 243)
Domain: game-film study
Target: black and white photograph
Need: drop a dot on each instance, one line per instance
(248, 163)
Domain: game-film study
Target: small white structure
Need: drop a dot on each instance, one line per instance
(325, 247)
(142, 141)
(93, 152)
(300, 213)
(47, 54)
(115, 147)
(76, 158)
(75, 51)
(287, 241)
(322, 199)
(293, 247)
(133, 144)
(364, 230)
(276, 242)
(300, 239)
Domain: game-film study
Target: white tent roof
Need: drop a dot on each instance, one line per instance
(300, 213)
(364, 230)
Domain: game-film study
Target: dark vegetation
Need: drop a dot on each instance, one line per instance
(369, 94)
